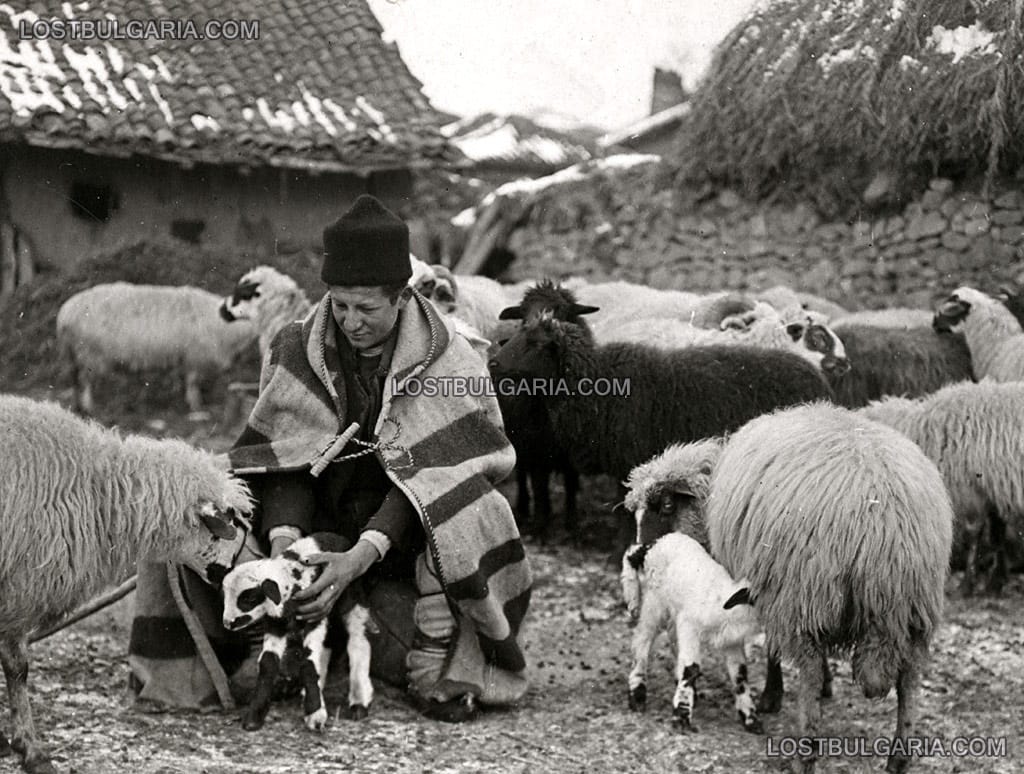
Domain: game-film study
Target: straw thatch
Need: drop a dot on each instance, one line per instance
(815, 97)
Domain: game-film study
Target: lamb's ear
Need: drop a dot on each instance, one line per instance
(578, 309)
(741, 597)
(270, 588)
(220, 527)
(511, 313)
(795, 330)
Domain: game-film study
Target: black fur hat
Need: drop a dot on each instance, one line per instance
(368, 245)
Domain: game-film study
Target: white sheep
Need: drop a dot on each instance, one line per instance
(272, 299)
(80, 505)
(994, 336)
(781, 296)
(896, 317)
(842, 528)
(975, 435)
(262, 590)
(146, 326)
(682, 589)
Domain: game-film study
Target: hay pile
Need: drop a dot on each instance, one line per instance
(813, 97)
(27, 318)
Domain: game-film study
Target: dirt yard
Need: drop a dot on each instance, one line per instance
(575, 717)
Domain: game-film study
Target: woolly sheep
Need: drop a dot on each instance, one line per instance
(676, 395)
(842, 528)
(896, 317)
(621, 302)
(781, 297)
(262, 590)
(146, 326)
(994, 336)
(79, 506)
(891, 361)
(272, 300)
(683, 590)
(974, 433)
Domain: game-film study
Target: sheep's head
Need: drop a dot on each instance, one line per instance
(952, 312)
(250, 290)
(820, 345)
(256, 590)
(668, 493)
(221, 532)
(438, 284)
(536, 349)
(547, 297)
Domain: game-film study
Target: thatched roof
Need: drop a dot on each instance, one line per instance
(816, 96)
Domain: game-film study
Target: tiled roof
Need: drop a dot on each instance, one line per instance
(516, 142)
(319, 88)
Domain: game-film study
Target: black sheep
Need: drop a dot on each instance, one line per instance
(891, 361)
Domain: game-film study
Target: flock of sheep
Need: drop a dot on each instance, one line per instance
(788, 465)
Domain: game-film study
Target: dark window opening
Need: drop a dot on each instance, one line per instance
(93, 202)
(187, 230)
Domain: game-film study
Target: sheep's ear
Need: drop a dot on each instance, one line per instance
(511, 313)
(795, 330)
(741, 597)
(270, 588)
(220, 528)
(578, 309)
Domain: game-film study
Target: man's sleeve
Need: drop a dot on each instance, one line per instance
(396, 517)
(288, 500)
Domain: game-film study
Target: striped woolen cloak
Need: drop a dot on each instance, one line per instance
(444, 453)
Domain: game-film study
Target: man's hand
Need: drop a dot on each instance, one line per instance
(339, 570)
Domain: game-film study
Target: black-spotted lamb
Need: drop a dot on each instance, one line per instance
(683, 590)
(975, 435)
(262, 590)
(994, 336)
(80, 505)
(841, 528)
(139, 327)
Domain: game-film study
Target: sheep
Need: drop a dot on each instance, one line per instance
(896, 317)
(817, 344)
(622, 302)
(842, 528)
(684, 590)
(146, 326)
(890, 361)
(272, 300)
(781, 297)
(263, 589)
(677, 395)
(79, 506)
(974, 433)
(994, 336)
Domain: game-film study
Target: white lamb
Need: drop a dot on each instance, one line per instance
(994, 336)
(80, 505)
(683, 590)
(146, 326)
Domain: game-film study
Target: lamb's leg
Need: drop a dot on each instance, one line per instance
(997, 544)
(736, 664)
(269, 669)
(193, 395)
(771, 697)
(360, 688)
(687, 672)
(907, 684)
(644, 636)
(826, 677)
(83, 391)
(313, 674)
(14, 658)
(972, 536)
(809, 701)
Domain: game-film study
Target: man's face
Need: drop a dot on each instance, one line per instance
(365, 314)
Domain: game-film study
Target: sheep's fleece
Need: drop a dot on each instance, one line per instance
(445, 455)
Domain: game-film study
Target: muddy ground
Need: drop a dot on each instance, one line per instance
(574, 718)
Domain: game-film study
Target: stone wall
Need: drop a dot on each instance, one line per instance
(636, 228)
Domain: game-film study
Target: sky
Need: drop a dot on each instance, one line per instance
(582, 61)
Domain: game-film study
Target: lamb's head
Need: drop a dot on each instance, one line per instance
(547, 297)
(820, 345)
(438, 284)
(251, 289)
(953, 312)
(257, 590)
(668, 493)
(221, 532)
(536, 350)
